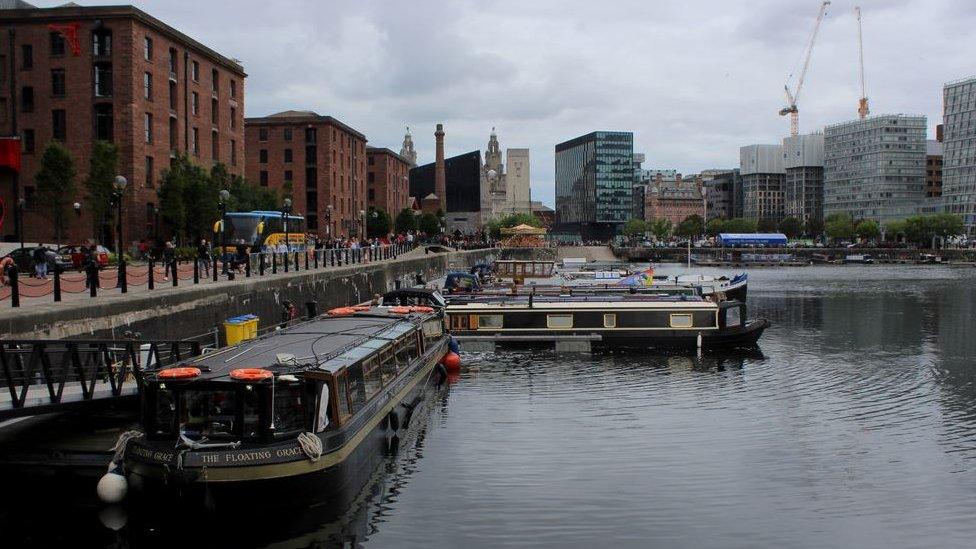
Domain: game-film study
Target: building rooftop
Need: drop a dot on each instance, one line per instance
(301, 117)
(384, 150)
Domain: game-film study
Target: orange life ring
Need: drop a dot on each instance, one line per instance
(421, 309)
(399, 310)
(179, 373)
(360, 308)
(341, 311)
(250, 374)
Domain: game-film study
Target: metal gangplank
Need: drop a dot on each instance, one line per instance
(40, 376)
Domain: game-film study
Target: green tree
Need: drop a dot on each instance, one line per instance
(430, 224)
(839, 226)
(946, 225)
(406, 221)
(791, 227)
(715, 226)
(740, 225)
(494, 226)
(199, 199)
(102, 169)
(660, 228)
(55, 183)
(693, 225)
(766, 225)
(635, 227)
(868, 229)
(894, 229)
(172, 188)
(814, 227)
(246, 197)
(378, 223)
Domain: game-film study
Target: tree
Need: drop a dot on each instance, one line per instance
(791, 227)
(766, 225)
(839, 226)
(429, 224)
(740, 225)
(814, 226)
(102, 169)
(868, 229)
(199, 198)
(494, 226)
(244, 196)
(693, 225)
(378, 223)
(634, 227)
(946, 225)
(172, 186)
(715, 226)
(659, 227)
(894, 229)
(406, 221)
(55, 183)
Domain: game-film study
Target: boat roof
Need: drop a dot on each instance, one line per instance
(326, 343)
(582, 302)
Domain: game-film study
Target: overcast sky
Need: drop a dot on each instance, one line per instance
(693, 80)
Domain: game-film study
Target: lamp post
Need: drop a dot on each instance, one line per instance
(362, 216)
(285, 210)
(118, 188)
(223, 195)
(77, 207)
(21, 203)
(328, 222)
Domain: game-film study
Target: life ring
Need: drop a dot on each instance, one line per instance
(342, 311)
(421, 309)
(250, 374)
(179, 373)
(399, 310)
(359, 308)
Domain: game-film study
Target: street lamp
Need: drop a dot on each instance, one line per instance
(223, 195)
(21, 203)
(362, 215)
(328, 222)
(285, 210)
(77, 207)
(118, 187)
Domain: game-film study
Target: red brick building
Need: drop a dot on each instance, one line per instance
(79, 74)
(387, 180)
(323, 159)
(674, 200)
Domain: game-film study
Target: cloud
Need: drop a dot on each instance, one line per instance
(694, 80)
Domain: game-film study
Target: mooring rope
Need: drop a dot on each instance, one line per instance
(311, 445)
(122, 443)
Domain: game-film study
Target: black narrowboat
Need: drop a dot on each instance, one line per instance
(308, 409)
(627, 321)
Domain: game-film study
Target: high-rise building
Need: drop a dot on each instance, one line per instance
(594, 184)
(387, 180)
(720, 193)
(959, 146)
(803, 161)
(518, 180)
(763, 176)
(933, 168)
(79, 74)
(874, 168)
(322, 161)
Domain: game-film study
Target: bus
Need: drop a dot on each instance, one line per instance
(260, 229)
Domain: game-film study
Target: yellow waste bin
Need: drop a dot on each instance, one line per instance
(241, 328)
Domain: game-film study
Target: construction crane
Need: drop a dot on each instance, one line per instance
(793, 97)
(862, 103)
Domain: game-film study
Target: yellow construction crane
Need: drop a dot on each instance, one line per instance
(793, 97)
(862, 103)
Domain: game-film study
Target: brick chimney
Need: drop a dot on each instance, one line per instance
(440, 182)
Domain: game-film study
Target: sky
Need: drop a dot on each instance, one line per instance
(693, 79)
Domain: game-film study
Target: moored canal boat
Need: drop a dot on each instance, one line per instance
(304, 410)
(630, 321)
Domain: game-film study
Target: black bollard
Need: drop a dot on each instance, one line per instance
(247, 266)
(306, 260)
(315, 256)
(14, 286)
(347, 256)
(311, 309)
(57, 283)
(196, 271)
(92, 273)
(261, 264)
(123, 278)
(152, 268)
(296, 262)
(274, 263)
(214, 267)
(176, 278)
(284, 259)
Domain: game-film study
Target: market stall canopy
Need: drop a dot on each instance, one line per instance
(523, 229)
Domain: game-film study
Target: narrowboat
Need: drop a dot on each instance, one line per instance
(861, 259)
(305, 410)
(622, 321)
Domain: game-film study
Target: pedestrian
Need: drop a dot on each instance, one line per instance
(203, 256)
(169, 257)
(241, 256)
(40, 263)
(7, 265)
(89, 261)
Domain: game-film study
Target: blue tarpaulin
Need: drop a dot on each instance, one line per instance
(752, 239)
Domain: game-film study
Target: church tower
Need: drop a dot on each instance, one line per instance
(493, 156)
(407, 151)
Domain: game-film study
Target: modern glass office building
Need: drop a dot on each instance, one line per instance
(959, 151)
(875, 168)
(594, 184)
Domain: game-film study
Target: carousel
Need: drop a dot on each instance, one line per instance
(523, 236)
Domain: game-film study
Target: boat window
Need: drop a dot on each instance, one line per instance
(322, 418)
(357, 387)
(288, 411)
(252, 417)
(371, 375)
(610, 321)
(432, 331)
(388, 365)
(342, 398)
(165, 410)
(209, 413)
(489, 322)
(406, 350)
(681, 320)
(459, 322)
(559, 321)
(733, 317)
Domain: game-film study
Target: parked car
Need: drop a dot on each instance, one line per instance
(24, 259)
(74, 256)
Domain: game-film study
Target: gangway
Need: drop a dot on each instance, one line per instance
(40, 376)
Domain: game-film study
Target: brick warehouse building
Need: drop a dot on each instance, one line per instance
(387, 180)
(325, 161)
(79, 74)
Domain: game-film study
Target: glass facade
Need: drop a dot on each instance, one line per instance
(875, 168)
(959, 151)
(594, 182)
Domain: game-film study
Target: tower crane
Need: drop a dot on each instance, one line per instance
(862, 103)
(793, 97)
